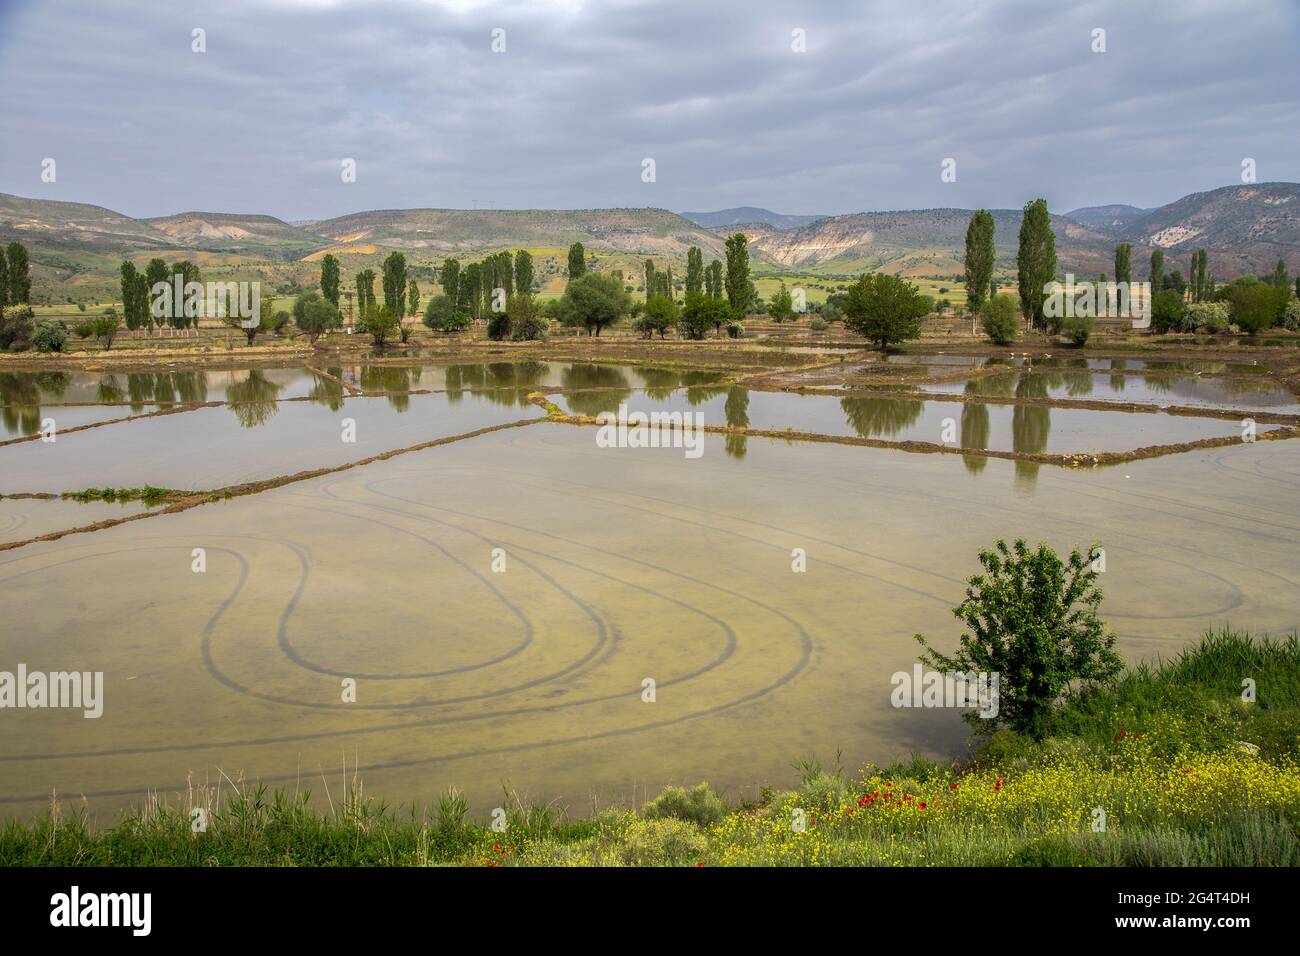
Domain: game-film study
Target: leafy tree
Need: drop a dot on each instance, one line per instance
(4, 282)
(19, 275)
(1257, 306)
(50, 336)
(498, 326)
(701, 312)
(651, 282)
(1167, 311)
(105, 328)
(365, 292)
(737, 279)
(314, 316)
(1200, 259)
(329, 279)
(577, 261)
(135, 309)
(781, 305)
(394, 271)
(413, 298)
(470, 296)
(594, 300)
(1079, 329)
(661, 314)
(381, 323)
(441, 315)
(999, 320)
(885, 309)
(694, 271)
(1176, 282)
(524, 272)
(1035, 261)
(1281, 278)
(450, 277)
(527, 323)
(1157, 271)
(713, 280)
(979, 259)
(265, 320)
(1124, 262)
(1032, 620)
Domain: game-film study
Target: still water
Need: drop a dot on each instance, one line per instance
(619, 565)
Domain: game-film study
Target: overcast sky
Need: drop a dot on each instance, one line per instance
(711, 90)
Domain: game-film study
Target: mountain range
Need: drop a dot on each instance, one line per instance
(1245, 228)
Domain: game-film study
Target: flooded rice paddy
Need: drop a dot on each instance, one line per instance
(620, 564)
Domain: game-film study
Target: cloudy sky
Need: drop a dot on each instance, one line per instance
(712, 90)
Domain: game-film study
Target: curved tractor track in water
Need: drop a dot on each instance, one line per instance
(715, 642)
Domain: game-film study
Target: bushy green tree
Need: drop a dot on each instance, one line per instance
(1033, 621)
(1257, 307)
(998, 318)
(886, 309)
(527, 323)
(1167, 311)
(50, 336)
(595, 300)
(781, 306)
(381, 323)
(661, 314)
(314, 315)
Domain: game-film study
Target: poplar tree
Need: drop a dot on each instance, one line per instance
(1124, 262)
(577, 261)
(694, 271)
(979, 259)
(1035, 260)
(737, 278)
(524, 272)
(329, 279)
(394, 282)
(1157, 271)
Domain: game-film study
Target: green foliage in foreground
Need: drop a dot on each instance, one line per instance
(1186, 772)
(148, 494)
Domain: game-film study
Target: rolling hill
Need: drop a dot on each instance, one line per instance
(922, 242)
(464, 231)
(253, 235)
(746, 215)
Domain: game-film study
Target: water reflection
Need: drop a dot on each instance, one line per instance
(509, 382)
(253, 400)
(165, 389)
(737, 412)
(881, 417)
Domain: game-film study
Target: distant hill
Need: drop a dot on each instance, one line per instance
(745, 215)
(1110, 220)
(923, 242)
(252, 235)
(1244, 228)
(449, 231)
(73, 225)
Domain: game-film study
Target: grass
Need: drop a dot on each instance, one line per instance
(1183, 771)
(148, 495)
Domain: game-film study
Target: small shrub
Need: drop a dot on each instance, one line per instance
(735, 330)
(50, 336)
(84, 330)
(1050, 851)
(664, 842)
(819, 325)
(1211, 317)
(1078, 329)
(1000, 320)
(498, 327)
(697, 805)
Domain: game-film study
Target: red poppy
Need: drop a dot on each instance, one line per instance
(922, 804)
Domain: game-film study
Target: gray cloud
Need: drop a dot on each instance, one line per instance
(712, 91)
